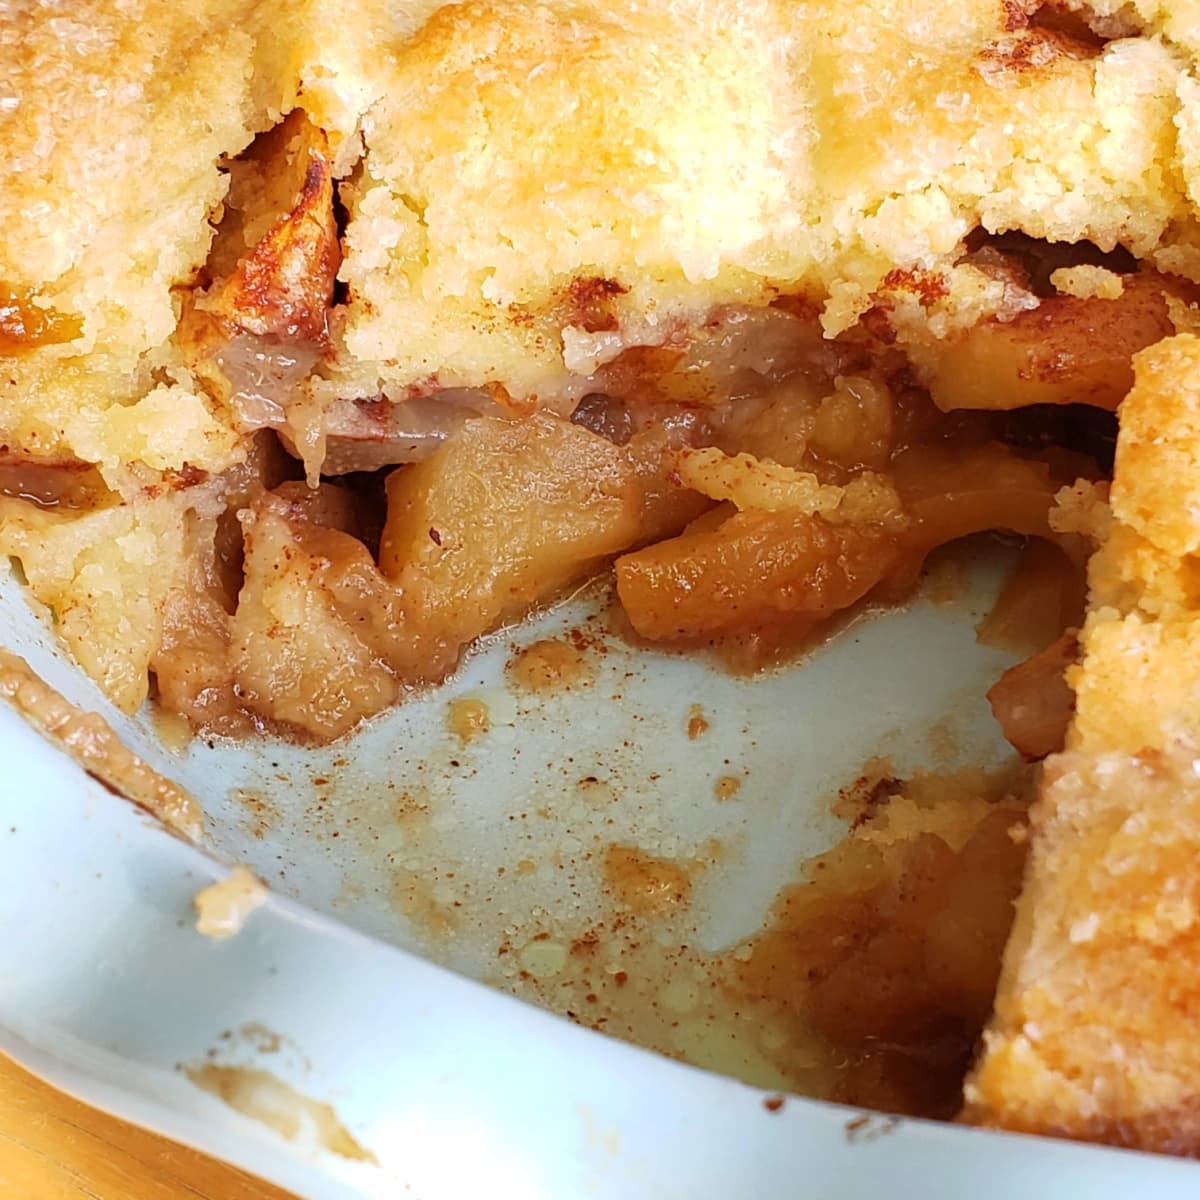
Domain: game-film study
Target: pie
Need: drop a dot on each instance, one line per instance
(335, 336)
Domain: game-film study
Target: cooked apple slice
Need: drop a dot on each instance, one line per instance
(316, 631)
(1033, 702)
(281, 282)
(1068, 350)
(255, 334)
(761, 568)
(754, 570)
(509, 513)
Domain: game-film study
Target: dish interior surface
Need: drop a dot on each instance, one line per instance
(493, 856)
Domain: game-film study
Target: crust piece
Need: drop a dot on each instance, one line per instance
(1094, 1033)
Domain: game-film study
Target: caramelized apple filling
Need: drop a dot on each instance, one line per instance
(750, 477)
(25, 324)
(310, 609)
(1075, 347)
(255, 329)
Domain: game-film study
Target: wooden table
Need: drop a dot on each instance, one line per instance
(54, 1148)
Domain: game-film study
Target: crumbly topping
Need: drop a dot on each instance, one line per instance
(1087, 282)
(762, 485)
(106, 575)
(1082, 507)
(222, 907)
(1090, 1035)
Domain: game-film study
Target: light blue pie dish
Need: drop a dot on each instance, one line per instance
(436, 1085)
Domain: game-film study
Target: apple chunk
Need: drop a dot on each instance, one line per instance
(509, 513)
(1068, 350)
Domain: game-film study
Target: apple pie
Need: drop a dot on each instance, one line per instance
(333, 337)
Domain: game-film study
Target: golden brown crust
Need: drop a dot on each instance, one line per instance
(106, 574)
(90, 740)
(1093, 1034)
(699, 155)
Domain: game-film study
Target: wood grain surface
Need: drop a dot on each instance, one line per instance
(55, 1148)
